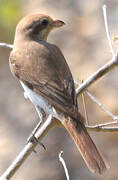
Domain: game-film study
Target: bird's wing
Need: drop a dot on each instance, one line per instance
(49, 76)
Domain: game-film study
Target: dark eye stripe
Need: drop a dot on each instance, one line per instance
(37, 26)
(40, 26)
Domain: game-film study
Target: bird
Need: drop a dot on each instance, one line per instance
(47, 81)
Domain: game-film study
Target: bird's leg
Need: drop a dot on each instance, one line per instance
(42, 116)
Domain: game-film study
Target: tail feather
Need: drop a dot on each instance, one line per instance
(85, 145)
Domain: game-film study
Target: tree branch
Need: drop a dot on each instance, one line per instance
(98, 74)
(27, 150)
(101, 106)
(108, 66)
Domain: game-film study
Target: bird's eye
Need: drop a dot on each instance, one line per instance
(45, 22)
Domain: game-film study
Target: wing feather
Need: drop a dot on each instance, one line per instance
(48, 75)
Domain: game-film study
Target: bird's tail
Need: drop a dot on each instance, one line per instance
(85, 145)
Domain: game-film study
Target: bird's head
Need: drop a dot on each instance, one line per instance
(37, 26)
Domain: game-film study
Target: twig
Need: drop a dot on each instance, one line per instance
(27, 150)
(85, 110)
(98, 74)
(114, 117)
(108, 66)
(101, 127)
(96, 128)
(6, 45)
(104, 7)
(95, 100)
(111, 64)
(64, 165)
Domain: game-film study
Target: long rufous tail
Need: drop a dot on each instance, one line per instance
(85, 145)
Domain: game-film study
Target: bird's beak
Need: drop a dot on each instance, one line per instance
(57, 23)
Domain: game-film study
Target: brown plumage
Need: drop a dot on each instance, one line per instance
(42, 68)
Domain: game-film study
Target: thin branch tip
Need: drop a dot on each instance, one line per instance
(64, 165)
(104, 6)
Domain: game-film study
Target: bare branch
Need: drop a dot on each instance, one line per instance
(27, 150)
(108, 66)
(107, 31)
(98, 74)
(105, 109)
(98, 128)
(6, 45)
(114, 117)
(64, 165)
(85, 110)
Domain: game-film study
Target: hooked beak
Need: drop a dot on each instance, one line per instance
(57, 23)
